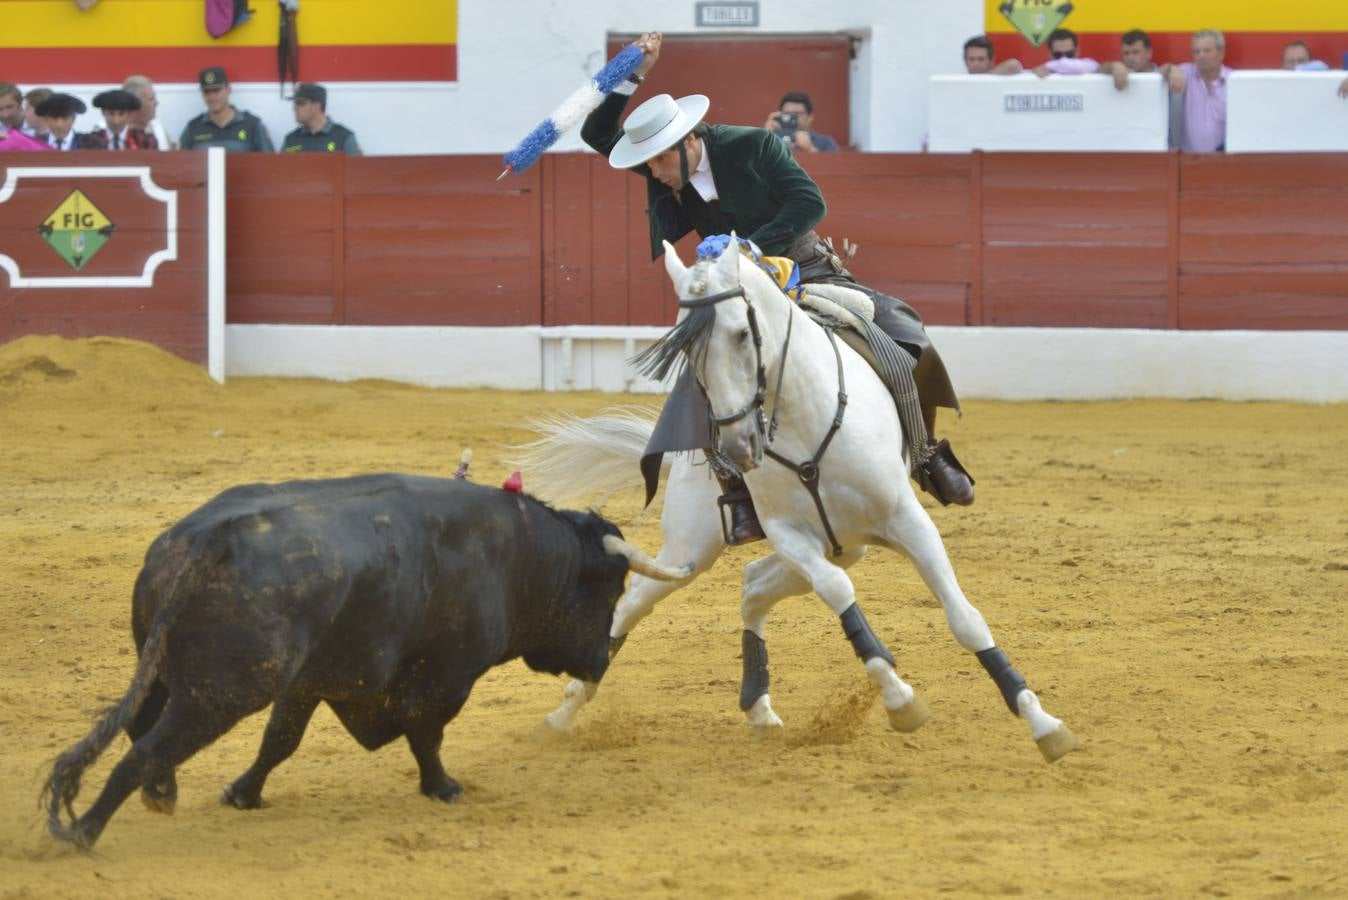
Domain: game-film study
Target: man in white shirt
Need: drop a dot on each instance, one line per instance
(147, 117)
(59, 111)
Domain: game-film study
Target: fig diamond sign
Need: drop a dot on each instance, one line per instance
(76, 229)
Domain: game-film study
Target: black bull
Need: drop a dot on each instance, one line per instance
(385, 596)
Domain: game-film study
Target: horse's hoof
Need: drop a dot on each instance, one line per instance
(909, 717)
(1057, 743)
(548, 732)
(769, 733)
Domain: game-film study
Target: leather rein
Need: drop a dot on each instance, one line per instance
(807, 471)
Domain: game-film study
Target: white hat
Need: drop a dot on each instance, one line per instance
(655, 126)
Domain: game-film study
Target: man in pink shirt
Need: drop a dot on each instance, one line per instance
(1203, 84)
(1063, 45)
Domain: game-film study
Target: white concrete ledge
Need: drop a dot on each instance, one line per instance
(987, 363)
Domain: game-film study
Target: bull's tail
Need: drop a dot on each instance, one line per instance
(63, 784)
(579, 459)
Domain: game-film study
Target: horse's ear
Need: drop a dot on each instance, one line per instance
(673, 265)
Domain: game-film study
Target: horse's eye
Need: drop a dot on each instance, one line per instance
(744, 336)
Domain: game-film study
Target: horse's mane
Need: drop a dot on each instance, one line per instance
(687, 340)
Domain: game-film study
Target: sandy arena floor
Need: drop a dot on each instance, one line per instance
(1171, 577)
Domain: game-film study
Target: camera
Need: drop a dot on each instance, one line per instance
(788, 120)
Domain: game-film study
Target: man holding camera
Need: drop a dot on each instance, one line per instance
(791, 122)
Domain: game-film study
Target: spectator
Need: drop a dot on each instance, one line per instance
(791, 122)
(59, 111)
(221, 125)
(147, 117)
(1296, 57)
(33, 124)
(1203, 84)
(979, 54)
(117, 132)
(11, 106)
(1063, 45)
(1136, 55)
(1343, 89)
(317, 133)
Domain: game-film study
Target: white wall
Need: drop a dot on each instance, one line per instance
(515, 68)
(986, 363)
(968, 112)
(1276, 111)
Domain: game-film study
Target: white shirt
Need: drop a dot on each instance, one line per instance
(160, 135)
(701, 179)
(58, 143)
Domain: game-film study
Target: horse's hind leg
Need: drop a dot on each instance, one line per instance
(907, 711)
(767, 582)
(912, 531)
(692, 532)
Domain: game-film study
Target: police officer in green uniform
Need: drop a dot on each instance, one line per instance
(221, 125)
(317, 133)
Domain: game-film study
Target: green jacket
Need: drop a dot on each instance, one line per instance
(772, 200)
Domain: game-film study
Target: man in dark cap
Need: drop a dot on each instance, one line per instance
(317, 133)
(221, 125)
(117, 132)
(59, 112)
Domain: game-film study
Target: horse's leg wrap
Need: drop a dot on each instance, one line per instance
(1009, 681)
(864, 641)
(755, 681)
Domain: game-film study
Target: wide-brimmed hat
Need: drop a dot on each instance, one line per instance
(655, 126)
(117, 99)
(59, 106)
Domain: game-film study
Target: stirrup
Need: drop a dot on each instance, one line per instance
(942, 466)
(741, 525)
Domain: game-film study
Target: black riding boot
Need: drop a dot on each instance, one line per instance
(944, 478)
(743, 527)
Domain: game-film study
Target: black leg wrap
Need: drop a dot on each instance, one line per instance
(614, 645)
(1009, 681)
(755, 681)
(864, 641)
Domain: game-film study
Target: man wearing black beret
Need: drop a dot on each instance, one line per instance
(59, 112)
(317, 133)
(117, 132)
(221, 125)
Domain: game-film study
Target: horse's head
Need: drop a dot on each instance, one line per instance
(721, 333)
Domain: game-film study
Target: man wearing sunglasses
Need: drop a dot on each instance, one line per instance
(1063, 45)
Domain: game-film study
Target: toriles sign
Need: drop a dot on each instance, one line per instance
(1035, 19)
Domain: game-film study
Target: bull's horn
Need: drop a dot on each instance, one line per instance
(642, 563)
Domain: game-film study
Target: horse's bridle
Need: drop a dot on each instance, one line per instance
(808, 471)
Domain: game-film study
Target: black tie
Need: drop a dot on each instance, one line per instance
(116, 142)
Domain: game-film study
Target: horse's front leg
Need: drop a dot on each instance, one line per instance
(691, 531)
(805, 553)
(767, 581)
(912, 531)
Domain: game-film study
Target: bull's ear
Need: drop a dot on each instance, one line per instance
(673, 265)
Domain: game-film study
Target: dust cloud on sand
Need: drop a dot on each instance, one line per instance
(1171, 578)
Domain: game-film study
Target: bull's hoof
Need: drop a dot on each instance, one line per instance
(448, 791)
(1057, 743)
(241, 798)
(159, 799)
(909, 717)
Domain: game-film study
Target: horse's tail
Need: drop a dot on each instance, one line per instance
(63, 784)
(579, 459)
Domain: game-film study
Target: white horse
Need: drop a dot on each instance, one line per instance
(757, 355)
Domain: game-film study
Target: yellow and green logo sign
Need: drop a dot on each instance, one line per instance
(1035, 19)
(76, 229)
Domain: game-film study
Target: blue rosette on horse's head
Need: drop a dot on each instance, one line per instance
(573, 110)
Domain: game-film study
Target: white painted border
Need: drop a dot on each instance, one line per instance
(985, 363)
(155, 192)
(215, 263)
